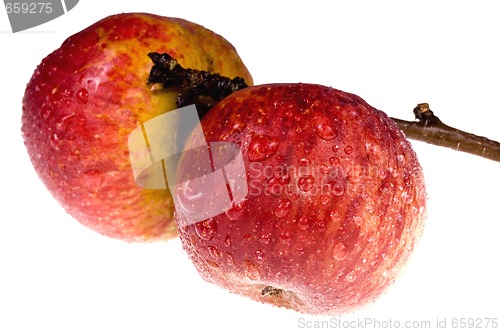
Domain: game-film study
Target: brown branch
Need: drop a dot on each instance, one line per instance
(430, 129)
(198, 87)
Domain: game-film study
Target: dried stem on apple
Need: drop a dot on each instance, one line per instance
(198, 87)
(205, 89)
(430, 129)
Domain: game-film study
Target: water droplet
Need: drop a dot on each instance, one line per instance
(324, 169)
(261, 147)
(374, 264)
(259, 255)
(212, 264)
(299, 251)
(421, 210)
(348, 149)
(206, 229)
(394, 172)
(304, 161)
(318, 297)
(303, 223)
(340, 251)
(238, 126)
(351, 277)
(363, 261)
(229, 259)
(280, 158)
(382, 174)
(321, 227)
(251, 271)
(407, 197)
(82, 96)
(306, 182)
(326, 132)
(227, 241)
(46, 113)
(54, 141)
(277, 183)
(372, 149)
(190, 197)
(334, 161)
(335, 148)
(265, 238)
(214, 252)
(334, 216)
(325, 199)
(385, 196)
(285, 236)
(354, 174)
(414, 210)
(336, 188)
(236, 211)
(63, 123)
(401, 160)
(357, 220)
(283, 208)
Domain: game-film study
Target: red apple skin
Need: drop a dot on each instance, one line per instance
(335, 207)
(86, 97)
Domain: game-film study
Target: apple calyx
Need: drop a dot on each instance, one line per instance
(271, 291)
(199, 87)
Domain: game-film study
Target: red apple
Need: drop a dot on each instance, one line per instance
(84, 100)
(336, 200)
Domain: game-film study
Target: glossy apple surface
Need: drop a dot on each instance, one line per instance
(86, 97)
(336, 200)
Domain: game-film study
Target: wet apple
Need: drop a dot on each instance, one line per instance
(84, 100)
(336, 200)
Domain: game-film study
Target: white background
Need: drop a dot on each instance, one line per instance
(55, 275)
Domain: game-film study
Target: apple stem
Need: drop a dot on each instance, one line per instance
(430, 129)
(199, 87)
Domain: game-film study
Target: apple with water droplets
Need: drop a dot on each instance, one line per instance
(84, 100)
(336, 200)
